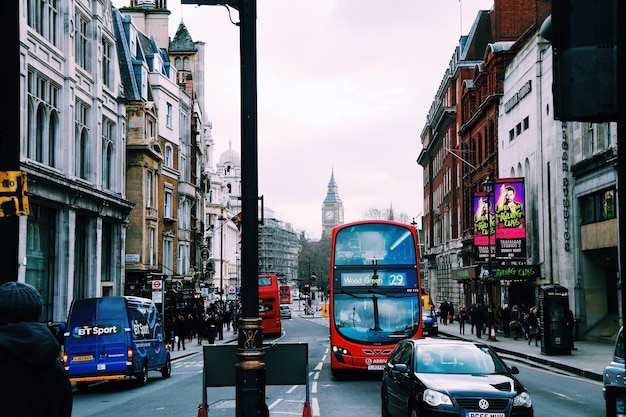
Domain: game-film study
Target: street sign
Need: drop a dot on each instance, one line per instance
(157, 285)
(13, 199)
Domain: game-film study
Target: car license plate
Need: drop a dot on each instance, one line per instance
(83, 358)
(482, 414)
(375, 367)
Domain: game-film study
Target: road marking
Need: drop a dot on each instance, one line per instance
(315, 406)
(275, 403)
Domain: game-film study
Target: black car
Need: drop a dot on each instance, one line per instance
(613, 375)
(444, 377)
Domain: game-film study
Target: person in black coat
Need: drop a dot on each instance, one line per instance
(478, 319)
(34, 382)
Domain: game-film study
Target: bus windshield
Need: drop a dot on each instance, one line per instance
(376, 314)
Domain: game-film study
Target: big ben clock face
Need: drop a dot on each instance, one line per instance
(329, 214)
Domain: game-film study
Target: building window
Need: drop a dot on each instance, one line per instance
(167, 202)
(151, 246)
(168, 255)
(107, 74)
(168, 156)
(598, 207)
(81, 36)
(183, 258)
(43, 120)
(149, 202)
(107, 253)
(43, 17)
(108, 129)
(41, 256)
(511, 134)
(81, 257)
(82, 140)
(518, 129)
(526, 123)
(168, 116)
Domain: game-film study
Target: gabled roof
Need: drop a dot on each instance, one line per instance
(182, 41)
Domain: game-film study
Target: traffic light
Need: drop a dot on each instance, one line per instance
(307, 288)
(584, 68)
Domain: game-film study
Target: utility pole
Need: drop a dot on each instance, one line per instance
(250, 370)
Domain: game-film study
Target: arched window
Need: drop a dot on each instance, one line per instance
(39, 134)
(53, 132)
(168, 156)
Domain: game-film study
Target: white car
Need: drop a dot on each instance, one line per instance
(285, 311)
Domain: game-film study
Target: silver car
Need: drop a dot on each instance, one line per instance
(285, 311)
(613, 375)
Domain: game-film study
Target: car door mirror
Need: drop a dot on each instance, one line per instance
(400, 367)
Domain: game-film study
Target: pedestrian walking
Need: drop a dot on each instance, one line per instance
(478, 319)
(180, 331)
(534, 328)
(505, 318)
(34, 382)
(462, 320)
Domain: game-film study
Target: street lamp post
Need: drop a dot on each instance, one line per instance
(250, 369)
(221, 290)
(488, 187)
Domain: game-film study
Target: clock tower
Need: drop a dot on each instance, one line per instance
(332, 208)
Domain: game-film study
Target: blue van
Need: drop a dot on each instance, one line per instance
(112, 338)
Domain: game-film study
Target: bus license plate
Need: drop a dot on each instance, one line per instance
(481, 414)
(376, 367)
(83, 358)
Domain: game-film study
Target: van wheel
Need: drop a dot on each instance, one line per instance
(142, 376)
(166, 371)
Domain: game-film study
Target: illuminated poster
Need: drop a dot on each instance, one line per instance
(484, 226)
(510, 218)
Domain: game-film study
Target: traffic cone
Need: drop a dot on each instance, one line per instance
(306, 410)
(492, 334)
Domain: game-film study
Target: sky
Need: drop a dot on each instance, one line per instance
(343, 86)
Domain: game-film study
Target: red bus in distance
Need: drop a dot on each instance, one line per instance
(269, 305)
(284, 293)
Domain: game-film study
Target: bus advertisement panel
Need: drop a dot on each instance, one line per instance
(269, 310)
(375, 298)
(284, 292)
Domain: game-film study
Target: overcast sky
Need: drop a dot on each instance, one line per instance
(343, 85)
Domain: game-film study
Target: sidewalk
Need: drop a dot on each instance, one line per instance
(587, 361)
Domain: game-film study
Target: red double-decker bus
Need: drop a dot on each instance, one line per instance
(269, 305)
(375, 298)
(284, 293)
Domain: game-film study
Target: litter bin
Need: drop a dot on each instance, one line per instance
(555, 334)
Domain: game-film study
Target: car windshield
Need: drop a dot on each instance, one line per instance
(458, 359)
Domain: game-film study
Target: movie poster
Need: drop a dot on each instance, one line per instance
(510, 216)
(484, 226)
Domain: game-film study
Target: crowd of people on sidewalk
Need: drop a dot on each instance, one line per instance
(518, 322)
(218, 317)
